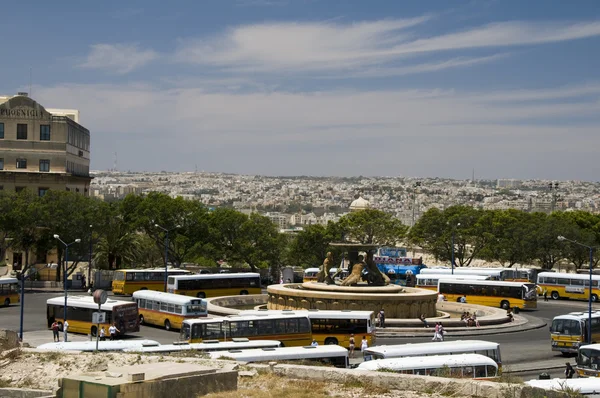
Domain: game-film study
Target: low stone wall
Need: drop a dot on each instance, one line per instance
(221, 305)
(9, 339)
(25, 393)
(485, 316)
(425, 384)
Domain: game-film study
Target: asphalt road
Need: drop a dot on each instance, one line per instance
(531, 347)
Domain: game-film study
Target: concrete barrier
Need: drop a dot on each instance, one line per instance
(9, 339)
(25, 393)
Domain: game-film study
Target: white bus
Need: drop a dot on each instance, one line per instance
(215, 285)
(430, 281)
(485, 348)
(211, 345)
(333, 327)
(494, 274)
(168, 310)
(581, 386)
(332, 354)
(118, 345)
(310, 275)
(472, 366)
(588, 361)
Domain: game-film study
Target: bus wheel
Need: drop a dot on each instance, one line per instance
(331, 341)
(94, 331)
(555, 296)
(504, 305)
(141, 319)
(167, 325)
(244, 292)
(201, 295)
(7, 302)
(594, 298)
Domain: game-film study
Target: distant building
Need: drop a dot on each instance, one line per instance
(42, 150)
(359, 204)
(503, 183)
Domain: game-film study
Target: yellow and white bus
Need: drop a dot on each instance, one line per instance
(310, 275)
(333, 327)
(81, 308)
(289, 330)
(215, 285)
(430, 281)
(573, 286)
(467, 366)
(568, 332)
(327, 354)
(491, 293)
(496, 274)
(588, 361)
(167, 310)
(127, 281)
(9, 291)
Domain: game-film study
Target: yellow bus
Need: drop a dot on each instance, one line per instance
(127, 281)
(573, 286)
(289, 330)
(9, 291)
(310, 275)
(81, 308)
(491, 293)
(333, 327)
(568, 332)
(167, 310)
(588, 361)
(430, 281)
(215, 285)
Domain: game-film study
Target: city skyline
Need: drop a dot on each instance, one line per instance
(321, 88)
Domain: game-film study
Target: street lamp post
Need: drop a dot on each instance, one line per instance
(57, 237)
(453, 231)
(89, 279)
(166, 249)
(591, 249)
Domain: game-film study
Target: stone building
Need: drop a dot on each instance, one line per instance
(41, 150)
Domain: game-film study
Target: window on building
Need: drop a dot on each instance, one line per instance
(21, 131)
(21, 163)
(1, 130)
(19, 189)
(1, 164)
(44, 165)
(42, 191)
(45, 132)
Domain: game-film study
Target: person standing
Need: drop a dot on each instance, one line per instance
(102, 334)
(351, 345)
(545, 294)
(66, 329)
(83, 281)
(382, 318)
(55, 328)
(364, 344)
(112, 330)
(314, 343)
(569, 371)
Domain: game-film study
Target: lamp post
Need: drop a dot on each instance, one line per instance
(591, 249)
(166, 249)
(453, 231)
(57, 237)
(89, 279)
(415, 186)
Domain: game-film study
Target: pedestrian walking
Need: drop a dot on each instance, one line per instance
(569, 371)
(112, 330)
(351, 345)
(83, 281)
(364, 344)
(102, 334)
(441, 332)
(545, 294)
(66, 329)
(55, 329)
(382, 318)
(436, 332)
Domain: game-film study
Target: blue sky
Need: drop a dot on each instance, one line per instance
(320, 87)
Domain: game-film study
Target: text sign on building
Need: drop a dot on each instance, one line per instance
(23, 113)
(99, 317)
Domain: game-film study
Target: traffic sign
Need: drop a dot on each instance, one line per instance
(98, 317)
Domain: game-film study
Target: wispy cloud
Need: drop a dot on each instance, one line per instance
(351, 47)
(117, 58)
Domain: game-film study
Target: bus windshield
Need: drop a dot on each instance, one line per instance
(566, 326)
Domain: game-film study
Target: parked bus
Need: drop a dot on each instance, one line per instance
(491, 293)
(588, 361)
(330, 354)
(310, 275)
(568, 332)
(81, 308)
(127, 281)
(493, 274)
(333, 327)
(9, 291)
(289, 330)
(430, 281)
(398, 272)
(573, 286)
(486, 348)
(215, 285)
(211, 345)
(571, 387)
(470, 366)
(166, 309)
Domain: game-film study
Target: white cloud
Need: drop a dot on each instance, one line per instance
(331, 46)
(117, 58)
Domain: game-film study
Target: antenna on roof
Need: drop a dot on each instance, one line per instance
(115, 163)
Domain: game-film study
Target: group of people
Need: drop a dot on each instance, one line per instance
(364, 344)
(469, 319)
(439, 332)
(112, 331)
(55, 327)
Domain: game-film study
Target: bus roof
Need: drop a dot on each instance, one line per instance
(165, 297)
(467, 271)
(282, 353)
(249, 317)
(118, 345)
(434, 361)
(8, 280)
(214, 345)
(585, 386)
(312, 270)
(315, 314)
(570, 276)
(442, 347)
(595, 347)
(86, 302)
(217, 276)
(455, 276)
(578, 316)
(485, 283)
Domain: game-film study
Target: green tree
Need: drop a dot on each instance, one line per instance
(310, 246)
(226, 231)
(548, 249)
(262, 244)
(511, 241)
(372, 226)
(32, 216)
(9, 222)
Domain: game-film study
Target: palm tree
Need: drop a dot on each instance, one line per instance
(118, 245)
